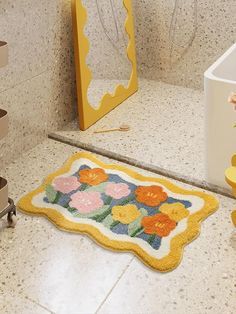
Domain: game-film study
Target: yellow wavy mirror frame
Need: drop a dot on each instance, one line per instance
(87, 114)
(230, 176)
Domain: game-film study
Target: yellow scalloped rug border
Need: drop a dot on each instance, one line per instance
(167, 263)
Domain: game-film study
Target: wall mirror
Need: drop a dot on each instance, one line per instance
(105, 59)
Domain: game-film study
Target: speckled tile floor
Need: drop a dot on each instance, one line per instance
(175, 149)
(44, 270)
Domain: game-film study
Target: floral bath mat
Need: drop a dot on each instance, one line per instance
(121, 209)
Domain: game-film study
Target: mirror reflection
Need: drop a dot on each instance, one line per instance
(108, 39)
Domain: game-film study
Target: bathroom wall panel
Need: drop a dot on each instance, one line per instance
(32, 107)
(216, 32)
(37, 87)
(26, 26)
(27, 105)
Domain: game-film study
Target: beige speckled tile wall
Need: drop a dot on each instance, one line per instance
(37, 87)
(215, 33)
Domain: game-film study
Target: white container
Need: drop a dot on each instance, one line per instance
(220, 82)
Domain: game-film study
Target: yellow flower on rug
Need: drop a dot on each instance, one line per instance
(175, 211)
(122, 209)
(125, 214)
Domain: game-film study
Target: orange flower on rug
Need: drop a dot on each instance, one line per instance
(92, 176)
(122, 209)
(150, 195)
(159, 224)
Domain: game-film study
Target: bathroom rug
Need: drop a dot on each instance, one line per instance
(122, 209)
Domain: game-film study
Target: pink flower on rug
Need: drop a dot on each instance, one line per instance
(86, 202)
(66, 184)
(117, 190)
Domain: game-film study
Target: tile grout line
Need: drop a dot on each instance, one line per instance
(148, 167)
(40, 305)
(113, 287)
(24, 81)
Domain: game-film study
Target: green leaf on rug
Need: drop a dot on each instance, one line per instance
(83, 187)
(51, 193)
(104, 214)
(108, 221)
(71, 210)
(144, 212)
(135, 227)
(128, 200)
(151, 239)
(98, 188)
(108, 200)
